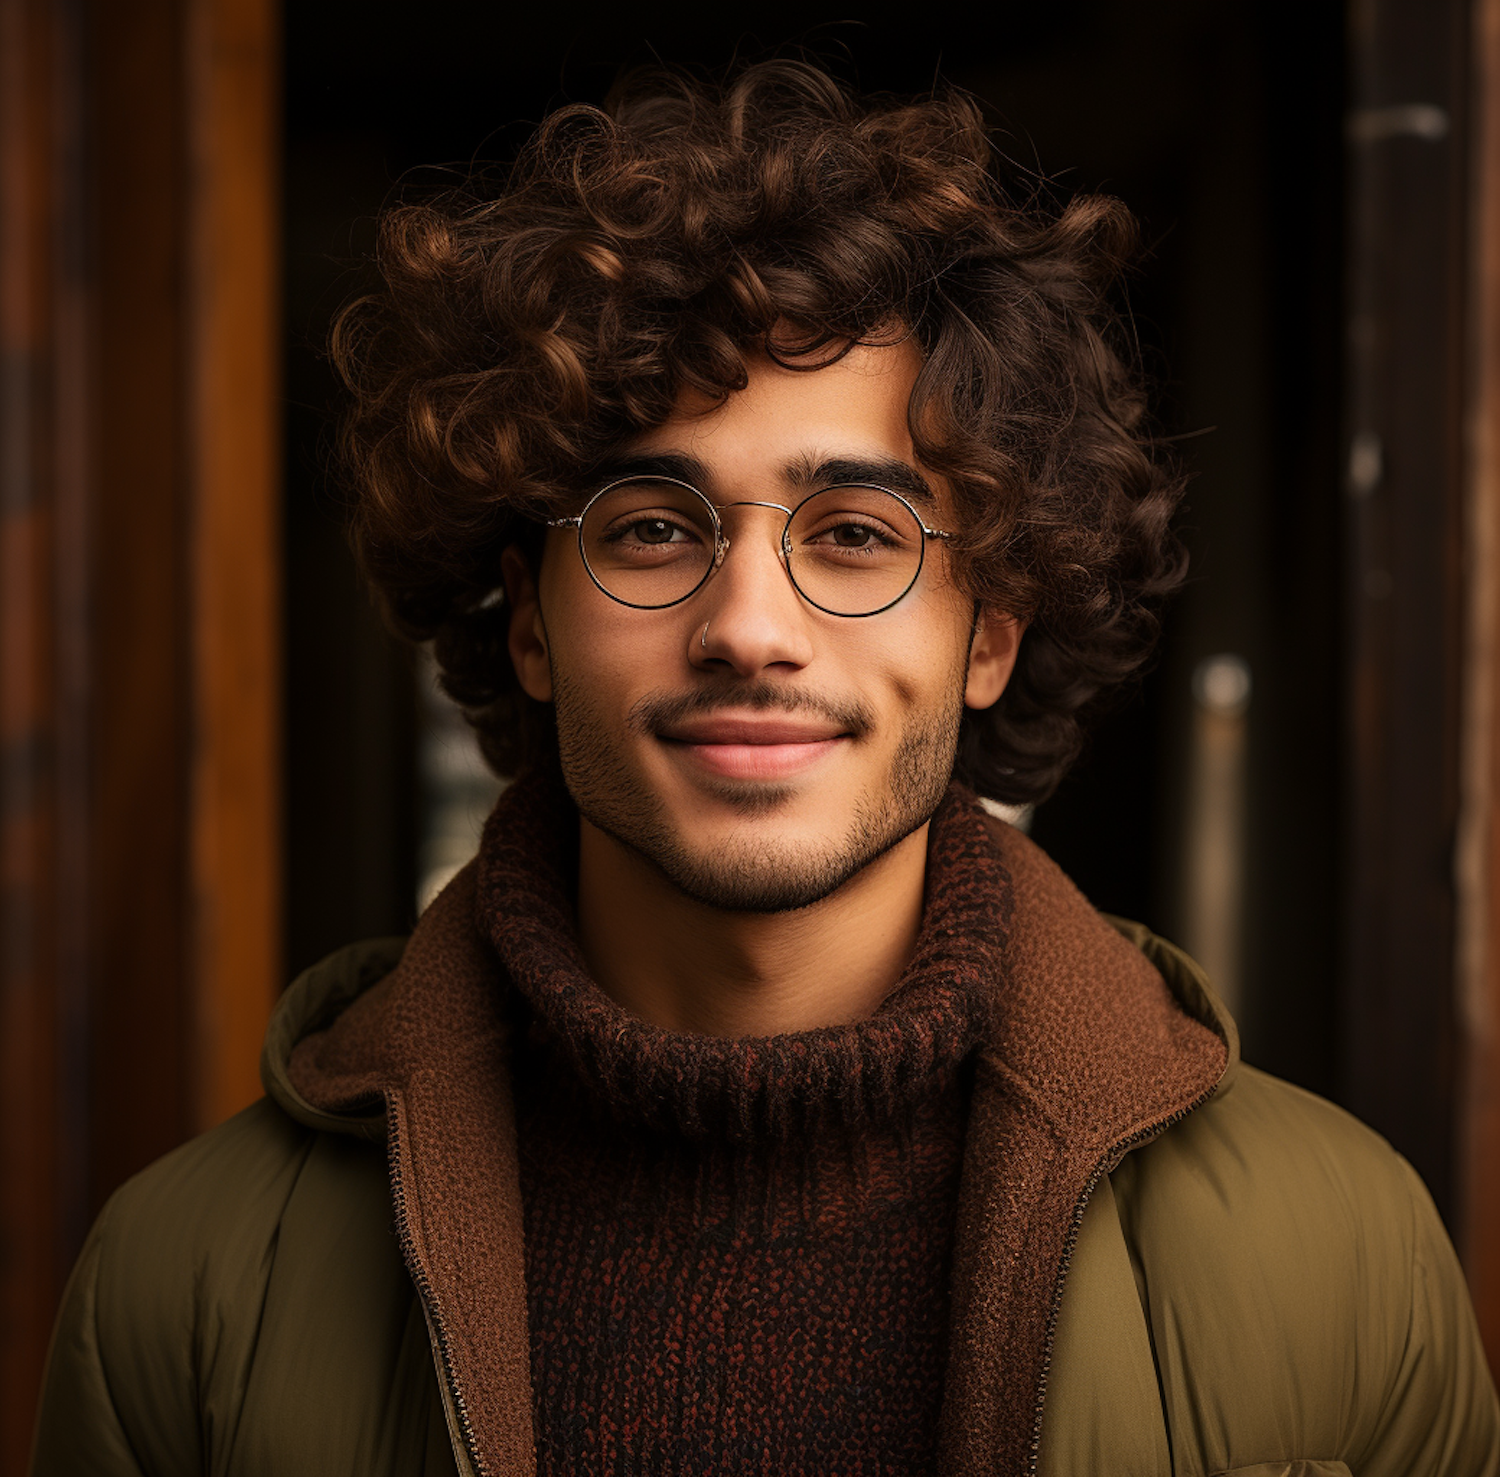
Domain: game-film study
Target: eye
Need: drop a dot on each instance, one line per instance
(852, 535)
(856, 534)
(651, 531)
(654, 531)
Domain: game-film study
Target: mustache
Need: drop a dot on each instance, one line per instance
(656, 711)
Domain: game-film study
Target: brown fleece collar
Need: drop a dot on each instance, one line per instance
(1089, 1054)
(1085, 1053)
(431, 1040)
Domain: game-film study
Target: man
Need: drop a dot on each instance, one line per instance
(755, 1102)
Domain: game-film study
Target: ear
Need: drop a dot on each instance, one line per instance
(527, 638)
(992, 657)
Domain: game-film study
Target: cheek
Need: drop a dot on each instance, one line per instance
(907, 664)
(931, 646)
(579, 632)
(614, 653)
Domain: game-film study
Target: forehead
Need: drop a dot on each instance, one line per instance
(853, 408)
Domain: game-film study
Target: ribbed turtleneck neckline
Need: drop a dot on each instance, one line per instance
(748, 1088)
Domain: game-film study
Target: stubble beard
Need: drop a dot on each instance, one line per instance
(759, 874)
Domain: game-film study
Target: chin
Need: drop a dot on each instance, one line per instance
(759, 876)
(748, 800)
(748, 868)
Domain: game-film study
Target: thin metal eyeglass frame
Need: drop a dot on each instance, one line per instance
(721, 542)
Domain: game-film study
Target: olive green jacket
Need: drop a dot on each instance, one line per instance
(1255, 1283)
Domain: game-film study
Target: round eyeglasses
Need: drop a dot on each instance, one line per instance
(651, 542)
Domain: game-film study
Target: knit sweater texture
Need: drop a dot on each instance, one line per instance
(737, 1251)
(1083, 1054)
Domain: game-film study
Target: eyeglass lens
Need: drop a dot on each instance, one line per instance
(849, 550)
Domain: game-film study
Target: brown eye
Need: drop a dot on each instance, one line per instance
(851, 536)
(654, 531)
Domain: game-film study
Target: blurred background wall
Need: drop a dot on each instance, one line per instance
(216, 766)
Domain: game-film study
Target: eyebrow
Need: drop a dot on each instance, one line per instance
(881, 471)
(806, 472)
(675, 464)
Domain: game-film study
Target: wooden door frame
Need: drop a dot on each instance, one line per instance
(140, 790)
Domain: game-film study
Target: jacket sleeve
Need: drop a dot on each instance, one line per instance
(80, 1429)
(1440, 1414)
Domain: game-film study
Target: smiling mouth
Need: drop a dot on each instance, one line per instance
(756, 746)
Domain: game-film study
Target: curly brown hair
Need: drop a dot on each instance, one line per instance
(633, 253)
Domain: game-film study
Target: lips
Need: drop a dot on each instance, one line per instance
(752, 728)
(754, 746)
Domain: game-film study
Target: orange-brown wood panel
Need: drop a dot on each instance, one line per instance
(139, 671)
(1479, 842)
(234, 335)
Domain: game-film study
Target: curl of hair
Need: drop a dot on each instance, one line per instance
(636, 252)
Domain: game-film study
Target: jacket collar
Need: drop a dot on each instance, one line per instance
(1090, 1054)
(1098, 1037)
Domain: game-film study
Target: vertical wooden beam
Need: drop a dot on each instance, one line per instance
(1408, 204)
(234, 477)
(43, 697)
(187, 671)
(1478, 1224)
(141, 677)
(28, 904)
(139, 642)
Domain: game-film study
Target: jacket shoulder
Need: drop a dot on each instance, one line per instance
(1297, 1279)
(229, 1295)
(207, 1186)
(199, 1221)
(1283, 1141)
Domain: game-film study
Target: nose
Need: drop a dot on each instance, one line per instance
(754, 617)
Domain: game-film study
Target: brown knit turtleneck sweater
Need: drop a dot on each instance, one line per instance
(737, 1251)
(1085, 1053)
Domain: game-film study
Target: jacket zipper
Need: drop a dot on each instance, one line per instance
(1115, 1153)
(419, 1276)
(429, 1300)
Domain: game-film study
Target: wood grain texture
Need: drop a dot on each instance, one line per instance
(139, 643)
(234, 476)
(32, 889)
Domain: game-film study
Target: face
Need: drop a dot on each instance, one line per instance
(758, 751)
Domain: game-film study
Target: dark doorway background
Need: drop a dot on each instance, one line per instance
(1221, 127)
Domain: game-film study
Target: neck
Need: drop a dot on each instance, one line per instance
(705, 971)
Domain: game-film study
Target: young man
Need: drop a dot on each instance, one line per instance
(755, 1103)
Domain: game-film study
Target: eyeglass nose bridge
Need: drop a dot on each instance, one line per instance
(721, 541)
